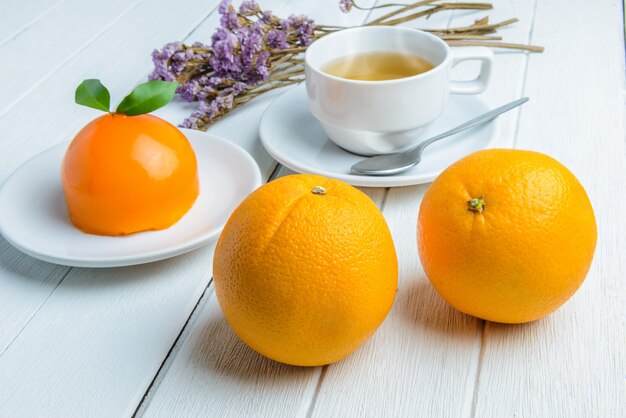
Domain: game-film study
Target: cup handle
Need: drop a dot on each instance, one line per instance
(479, 84)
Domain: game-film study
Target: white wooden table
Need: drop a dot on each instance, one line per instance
(150, 340)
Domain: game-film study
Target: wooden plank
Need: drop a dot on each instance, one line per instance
(26, 284)
(572, 363)
(15, 19)
(85, 349)
(215, 371)
(29, 59)
(58, 119)
(424, 360)
(95, 345)
(210, 369)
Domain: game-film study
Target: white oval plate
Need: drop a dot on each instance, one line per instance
(291, 135)
(33, 215)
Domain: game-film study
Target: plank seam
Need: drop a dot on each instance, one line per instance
(382, 208)
(624, 25)
(171, 354)
(169, 358)
(320, 380)
(30, 23)
(483, 344)
(318, 388)
(69, 59)
(525, 74)
(35, 312)
(483, 339)
(275, 172)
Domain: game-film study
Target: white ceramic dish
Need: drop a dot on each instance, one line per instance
(291, 134)
(33, 215)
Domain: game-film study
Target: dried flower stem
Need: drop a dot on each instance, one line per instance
(381, 6)
(477, 26)
(436, 8)
(522, 47)
(288, 50)
(400, 11)
(471, 37)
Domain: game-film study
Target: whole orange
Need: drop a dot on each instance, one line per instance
(305, 270)
(124, 174)
(506, 235)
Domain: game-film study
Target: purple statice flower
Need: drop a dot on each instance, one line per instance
(254, 57)
(197, 119)
(259, 70)
(189, 91)
(249, 8)
(236, 88)
(269, 19)
(277, 39)
(346, 5)
(200, 46)
(161, 59)
(199, 88)
(240, 55)
(225, 61)
(230, 19)
(301, 26)
(208, 110)
(224, 6)
(251, 42)
(179, 60)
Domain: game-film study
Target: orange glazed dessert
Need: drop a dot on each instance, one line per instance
(124, 174)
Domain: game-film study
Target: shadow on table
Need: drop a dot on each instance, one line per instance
(97, 279)
(16, 263)
(221, 352)
(420, 306)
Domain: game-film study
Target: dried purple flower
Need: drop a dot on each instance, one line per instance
(249, 8)
(277, 39)
(161, 59)
(200, 88)
(178, 61)
(301, 26)
(237, 59)
(259, 70)
(346, 5)
(269, 19)
(220, 105)
(198, 118)
(230, 19)
(224, 6)
(224, 61)
(251, 41)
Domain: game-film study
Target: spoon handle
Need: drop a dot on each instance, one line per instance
(485, 117)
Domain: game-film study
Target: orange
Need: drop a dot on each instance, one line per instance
(506, 235)
(305, 270)
(124, 174)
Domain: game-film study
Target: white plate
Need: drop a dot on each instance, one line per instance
(33, 215)
(295, 139)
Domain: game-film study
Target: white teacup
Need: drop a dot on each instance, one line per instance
(382, 117)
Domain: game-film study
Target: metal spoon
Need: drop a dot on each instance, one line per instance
(388, 164)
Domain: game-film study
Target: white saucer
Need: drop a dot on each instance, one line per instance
(33, 215)
(295, 139)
